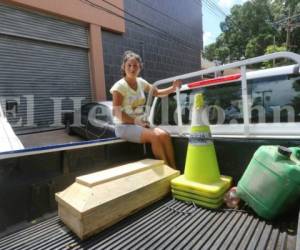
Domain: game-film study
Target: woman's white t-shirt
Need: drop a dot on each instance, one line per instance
(133, 100)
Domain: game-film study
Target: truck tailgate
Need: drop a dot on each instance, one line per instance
(167, 224)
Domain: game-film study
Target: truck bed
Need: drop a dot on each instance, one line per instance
(167, 224)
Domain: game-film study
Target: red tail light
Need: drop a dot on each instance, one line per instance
(207, 82)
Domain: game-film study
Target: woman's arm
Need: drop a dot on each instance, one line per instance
(122, 116)
(165, 91)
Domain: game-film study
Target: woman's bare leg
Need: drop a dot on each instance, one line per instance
(166, 141)
(152, 137)
(161, 145)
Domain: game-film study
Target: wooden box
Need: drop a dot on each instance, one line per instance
(96, 201)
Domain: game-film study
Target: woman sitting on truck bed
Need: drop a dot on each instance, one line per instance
(128, 108)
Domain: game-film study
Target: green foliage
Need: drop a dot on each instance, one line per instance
(257, 45)
(209, 51)
(222, 53)
(213, 53)
(252, 28)
(217, 51)
(272, 49)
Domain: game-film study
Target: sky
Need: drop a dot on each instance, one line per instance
(212, 18)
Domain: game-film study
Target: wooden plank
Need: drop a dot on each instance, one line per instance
(97, 178)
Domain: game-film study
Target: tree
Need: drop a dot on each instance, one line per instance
(217, 51)
(258, 44)
(252, 27)
(209, 51)
(286, 20)
(222, 53)
(250, 21)
(272, 49)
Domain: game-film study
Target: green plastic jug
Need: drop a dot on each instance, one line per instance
(271, 182)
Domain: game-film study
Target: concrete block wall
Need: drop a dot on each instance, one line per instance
(170, 46)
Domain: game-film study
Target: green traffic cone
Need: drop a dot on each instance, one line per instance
(201, 162)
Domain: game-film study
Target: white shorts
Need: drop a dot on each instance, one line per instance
(128, 132)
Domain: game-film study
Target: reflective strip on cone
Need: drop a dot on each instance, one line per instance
(200, 138)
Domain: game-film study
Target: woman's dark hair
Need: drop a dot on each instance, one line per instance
(129, 55)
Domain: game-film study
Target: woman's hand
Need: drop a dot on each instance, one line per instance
(169, 90)
(142, 123)
(176, 84)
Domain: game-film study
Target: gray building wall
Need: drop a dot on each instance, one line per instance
(169, 46)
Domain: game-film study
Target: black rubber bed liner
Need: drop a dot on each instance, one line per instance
(167, 224)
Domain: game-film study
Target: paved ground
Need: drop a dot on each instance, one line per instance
(48, 138)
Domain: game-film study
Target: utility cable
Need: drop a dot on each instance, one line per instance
(216, 7)
(157, 11)
(131, 21)
(211, 10)
(143, 24)
(285, 19)
(169, 17)
(164, 14)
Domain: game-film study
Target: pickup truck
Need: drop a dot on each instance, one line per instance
(30, 177)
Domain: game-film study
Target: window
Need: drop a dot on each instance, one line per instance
(166, 110)
(223, 103)
(274, 99)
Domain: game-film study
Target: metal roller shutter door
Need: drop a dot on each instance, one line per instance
(41, 57)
